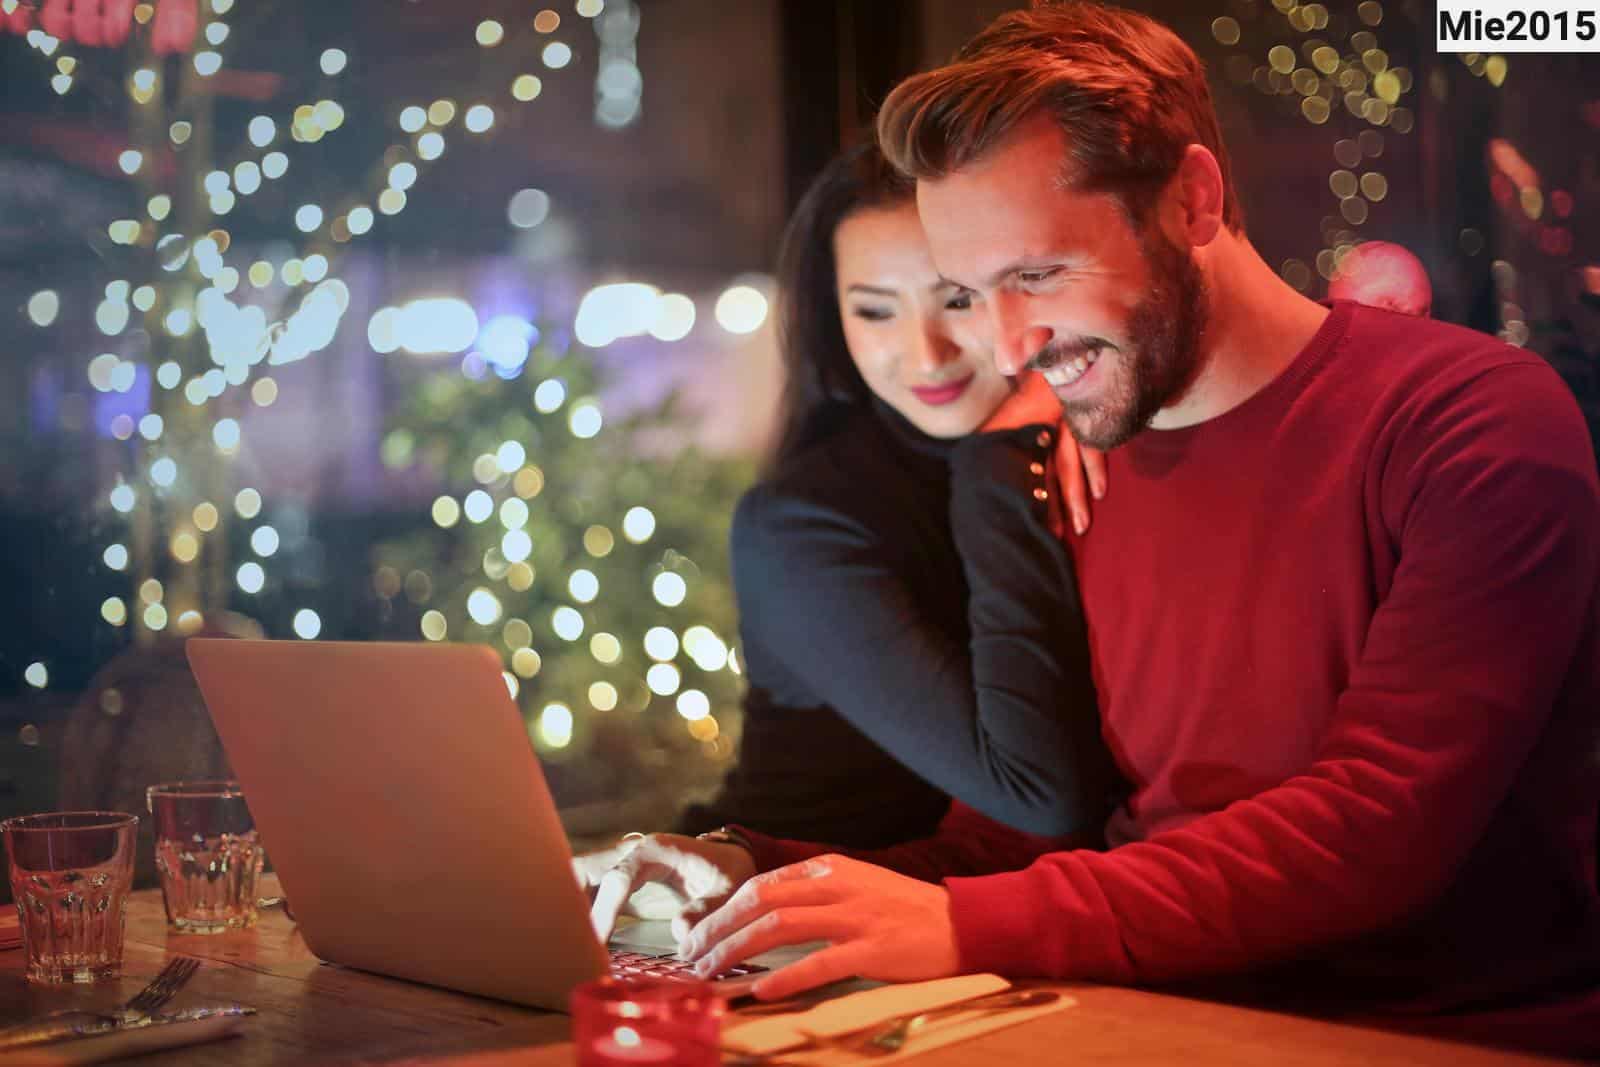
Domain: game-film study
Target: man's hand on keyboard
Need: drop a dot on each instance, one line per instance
(879, 925)
(697, 876)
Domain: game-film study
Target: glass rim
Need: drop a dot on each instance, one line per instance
(68, 822)
(200, 788)
(611, 989)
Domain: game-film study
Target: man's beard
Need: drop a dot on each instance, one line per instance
(1161, 356)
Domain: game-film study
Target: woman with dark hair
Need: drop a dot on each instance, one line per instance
(909, 618)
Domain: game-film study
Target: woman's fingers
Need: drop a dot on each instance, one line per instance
(1074, 486)
(1094, 465)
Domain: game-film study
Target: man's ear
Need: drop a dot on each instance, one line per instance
(1192, 203)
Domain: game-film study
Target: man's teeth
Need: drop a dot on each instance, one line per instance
(1070, 370)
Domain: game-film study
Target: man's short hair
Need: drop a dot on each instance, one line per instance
(1127, 92)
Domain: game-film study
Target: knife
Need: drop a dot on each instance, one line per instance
(28, 1035)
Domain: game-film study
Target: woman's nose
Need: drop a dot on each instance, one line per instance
(933, 349)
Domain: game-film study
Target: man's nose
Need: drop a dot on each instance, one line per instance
(1016, 341)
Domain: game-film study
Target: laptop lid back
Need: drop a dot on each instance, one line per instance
(397, 794)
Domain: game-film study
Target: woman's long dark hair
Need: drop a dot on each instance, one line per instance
(821, 382)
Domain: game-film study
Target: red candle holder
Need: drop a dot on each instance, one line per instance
(629, 1022)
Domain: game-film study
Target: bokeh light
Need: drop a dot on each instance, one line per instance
(528, 208)
(663, 679)
(555, 726)
(43, 307)
(741, 309)
(639, 524)
(567, 623)
(693, 704)
(252, 577)
(483, 607)
(669, 589)
(602, 696)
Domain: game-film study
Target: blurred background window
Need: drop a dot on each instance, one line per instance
(413, 320)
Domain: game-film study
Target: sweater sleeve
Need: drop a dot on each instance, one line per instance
(1009, 725)
(1492, 496)
(965, 843)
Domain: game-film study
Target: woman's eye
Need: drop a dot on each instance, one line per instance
(872, 314)
(959, 302)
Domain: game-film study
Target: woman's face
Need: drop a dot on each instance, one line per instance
(914, 337)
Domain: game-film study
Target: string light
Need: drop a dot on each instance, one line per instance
(490, 33)
(660, 643)
(663, 679)
(567, 623)
(638, 525)
(232, 333)
(693, 704)
(741, 309)
(434, 626)
(43, 307)
(525, 87)
(555, 726)
(556, 55)
(251, 577)
(669, 589)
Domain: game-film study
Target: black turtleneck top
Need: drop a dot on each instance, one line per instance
(910, 633)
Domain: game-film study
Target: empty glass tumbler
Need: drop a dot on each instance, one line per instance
(207, 855)
(70, 877)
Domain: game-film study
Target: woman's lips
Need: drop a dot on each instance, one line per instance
(937, 396)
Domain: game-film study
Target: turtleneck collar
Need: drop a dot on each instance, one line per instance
(901, 430)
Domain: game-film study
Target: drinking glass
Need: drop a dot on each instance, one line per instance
(621, 1022)
(207, 855)
(71, 873)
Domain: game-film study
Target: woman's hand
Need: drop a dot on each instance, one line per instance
(1080, 472)
(662, 876)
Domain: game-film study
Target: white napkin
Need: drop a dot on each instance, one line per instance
(776, 1033)
(134, 1041)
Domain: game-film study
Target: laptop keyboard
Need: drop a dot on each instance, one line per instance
(630, 963)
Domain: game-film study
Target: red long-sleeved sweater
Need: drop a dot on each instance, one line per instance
(1346, 639)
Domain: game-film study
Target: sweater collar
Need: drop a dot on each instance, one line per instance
(901, 429)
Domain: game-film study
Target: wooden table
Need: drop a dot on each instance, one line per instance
(315, 1013)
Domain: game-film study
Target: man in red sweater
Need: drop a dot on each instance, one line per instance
(1343, 602)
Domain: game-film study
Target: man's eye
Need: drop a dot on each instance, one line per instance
(1034, 277)
(959, 302)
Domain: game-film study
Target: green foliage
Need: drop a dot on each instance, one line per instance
(576, 492)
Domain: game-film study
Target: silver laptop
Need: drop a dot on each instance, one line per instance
(397, 793)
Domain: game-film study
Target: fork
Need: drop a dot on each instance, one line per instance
(892, 1038)
(888, 1036)
(54, 1026)
(173, 977)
